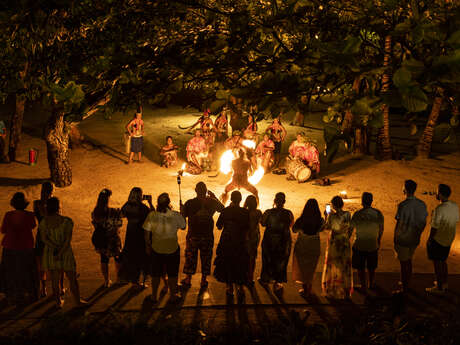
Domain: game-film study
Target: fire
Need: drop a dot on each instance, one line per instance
(257, 176)
(183, 167)
(226, 167)
(250, 144)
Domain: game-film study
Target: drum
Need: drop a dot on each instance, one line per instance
(193, 169)
(299, 170)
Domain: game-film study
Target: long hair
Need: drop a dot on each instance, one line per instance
(46, 191)
(311, 214)
(250, 203)
(102, 205)
(135, 195)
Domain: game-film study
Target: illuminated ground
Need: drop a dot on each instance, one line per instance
(103, 165)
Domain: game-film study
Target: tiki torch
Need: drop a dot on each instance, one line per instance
(179, 180)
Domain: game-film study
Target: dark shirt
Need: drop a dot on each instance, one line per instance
(17, 227)
(277, 221)
(234, 220)
(199, 213)
(308, 226)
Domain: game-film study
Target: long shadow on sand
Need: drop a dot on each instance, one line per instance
(10, 181)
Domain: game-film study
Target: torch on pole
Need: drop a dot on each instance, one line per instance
(179, 180)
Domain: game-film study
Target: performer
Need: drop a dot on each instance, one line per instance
(3, 157)
(264, 153)
(196, 151)
(221, 126)
(312, 157)
(206, 126)
(306, 152)
(278, 133)
(302, 109)
(135, 129)
(251, 130)
(235, 142)
(241, 166)
(168, 153)
(298, 148)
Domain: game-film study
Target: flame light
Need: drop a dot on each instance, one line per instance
(343, 194)
(226, 161)
(257, 176)
(250, 144)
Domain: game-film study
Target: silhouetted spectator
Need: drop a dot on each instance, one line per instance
(337, 279)
(307, 248)
(161, 245)
(18, 278)
(3, 157)
(133, 257)
(410, 223)
(40, 213)
(106, 237)
(443, 228)
(255, 216)
(232, 259)
(368, 223)
(56, 233)
(276, 243)
(200, 235)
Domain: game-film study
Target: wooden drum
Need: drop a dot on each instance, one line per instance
(298, 170)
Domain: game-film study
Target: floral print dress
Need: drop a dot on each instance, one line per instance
(337, 279)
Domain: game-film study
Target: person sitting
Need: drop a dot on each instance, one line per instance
(161, 245)
(18, 271)
(56, 233)
(297, 149)
(235, 142)
(196, 151)
(251, 130)
(306, 152)
(168, 153)
(312, 157)
(221, 126)
(264, 153)
(206, 127)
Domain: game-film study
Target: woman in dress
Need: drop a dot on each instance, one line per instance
(278, 133)
(106, 237)
(232, 259)
(254, 234)
(18, 270)
(307, 248)
(337, 280)
(168, 153)
(40, 212)
(276, 243)
(56, 233)
(135, 130)
(161, 245)
(133, 259)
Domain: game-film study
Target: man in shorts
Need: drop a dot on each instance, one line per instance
(443, 228)
(368, 223)
(410, 223)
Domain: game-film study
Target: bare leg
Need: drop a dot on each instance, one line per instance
(172, 282)
(131, 155)
(371, 278)
(155, 284)
(105, 274)
(140, 156)
(55, 276)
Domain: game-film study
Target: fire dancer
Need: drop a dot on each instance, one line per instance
(196, 151)
(241, 167)
(278, 133)
(264, 152)
(168, 153)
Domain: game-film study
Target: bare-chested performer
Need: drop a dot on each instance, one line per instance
(221, 126)
(241, 167)
(196, 151)
(206, 126)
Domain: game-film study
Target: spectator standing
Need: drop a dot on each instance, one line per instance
(40, 213)
(276, 243)
(135, 129)
(443, 228)
(161, 245)
(368, 223)
(232, 259)
(133, 257)
(255, 215)
(56, 233)
(106, 237)
(410, 223)
(337, 279)
(307, 248)
(200, 235)
(18, 273)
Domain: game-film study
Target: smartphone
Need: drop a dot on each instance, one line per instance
(328, 209)
(146, 197)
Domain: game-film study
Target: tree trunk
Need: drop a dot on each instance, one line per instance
(384, 133)
(424, 144)
(16, 127)
(57, 145)
(347, 122)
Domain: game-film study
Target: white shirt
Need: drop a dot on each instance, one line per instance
(164, 227)
(444, 218)
(411, 217)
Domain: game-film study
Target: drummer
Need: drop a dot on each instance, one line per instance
(235, 142)
(221, 126)
(312, 157)
(196, 151)
(298, 148)
(264, 153)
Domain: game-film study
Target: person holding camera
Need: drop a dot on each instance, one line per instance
(200, 235)
(161, 245)
(133, 257)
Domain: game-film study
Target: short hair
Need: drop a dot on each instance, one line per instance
(19, 202)
(201, 188)
(163, 202)
(337, 202)
(236, 197)
(367, 199)
(444, 190)
(280, 199)
(52, 205)
(410, 186)
(47, 187)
